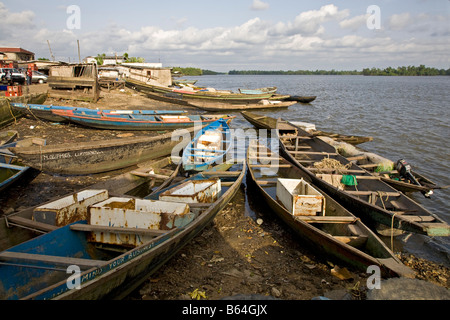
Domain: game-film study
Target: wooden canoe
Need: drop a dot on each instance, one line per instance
(201, 94)
(100, 156)
(37, 269)
(261, 121)
(222, 106)
(210, 146)
(385, 169)
(371, 199)
(9, 174)
(49, 112)
(7, 136)
(302, 99)
(102, 120)
(259, 90)
(334, 231)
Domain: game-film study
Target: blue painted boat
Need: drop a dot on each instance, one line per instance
(65, 264)
(209, 146)
(9, 174)
(7, 136)
(10, 170)
(46, 111)
(41, 111)
(120, 121)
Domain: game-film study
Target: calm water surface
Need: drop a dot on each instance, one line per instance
(408, 117)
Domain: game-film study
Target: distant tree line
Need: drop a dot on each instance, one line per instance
(399, 71)
(406, 71)
(290, 72)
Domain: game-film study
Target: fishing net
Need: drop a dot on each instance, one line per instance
(328, 164)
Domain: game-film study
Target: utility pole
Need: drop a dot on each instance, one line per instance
(79, 56)
(51, 53)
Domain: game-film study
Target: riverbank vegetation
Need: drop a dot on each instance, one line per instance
(421, 70)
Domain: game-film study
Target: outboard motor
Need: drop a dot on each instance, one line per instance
(404, 169)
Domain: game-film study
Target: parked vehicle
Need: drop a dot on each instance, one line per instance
(39, 77)
(16, 76)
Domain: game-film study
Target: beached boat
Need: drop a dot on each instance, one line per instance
(366, 195)
(207, 94)
(222, 106)
(316, 217)
(7, 136)
(179, 82)
(10, 173)
(209, 147)
(147, 177)
(100, 156)
(120, 121)
(49, 112)
(302, 99)
(397, 174)
(22, 225)
(110, 261)
(259, 90)
(261, 121)
(43, 112)
(10, 169)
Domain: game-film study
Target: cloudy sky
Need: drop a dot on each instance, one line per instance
(237, 34)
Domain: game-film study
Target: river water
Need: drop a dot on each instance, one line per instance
(408, 117)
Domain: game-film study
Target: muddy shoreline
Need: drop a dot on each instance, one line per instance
(236, 254)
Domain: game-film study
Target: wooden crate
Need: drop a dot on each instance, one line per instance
(300, 198)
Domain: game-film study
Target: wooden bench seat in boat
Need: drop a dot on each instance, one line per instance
(326, 219)
(55, 260)
(98, 228)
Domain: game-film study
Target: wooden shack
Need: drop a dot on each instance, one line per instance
(74, 81)
(150, 73)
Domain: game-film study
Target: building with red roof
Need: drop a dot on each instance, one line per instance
(17, 54)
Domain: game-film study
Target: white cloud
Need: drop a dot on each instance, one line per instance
(20, 19)
(310, 22)
(259, 5)
(400, 21)
(354, 23)
(324, 36)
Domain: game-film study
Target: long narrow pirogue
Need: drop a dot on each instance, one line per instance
(99, 156)
(331, 229)
(359, 191)
(262, 121)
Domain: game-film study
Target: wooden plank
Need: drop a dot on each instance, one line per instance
(270, 165)
(356, 158)
(149, 175)
(313, 153)
(266, 182)
(368, 193)
(221, 173)
(419, 218)
(29, 224)
(298, 147)
(97, 228)
(327, 219)
(321, 170)
(354, 241)
(295, 137)
(265, 158)
(56, 260)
